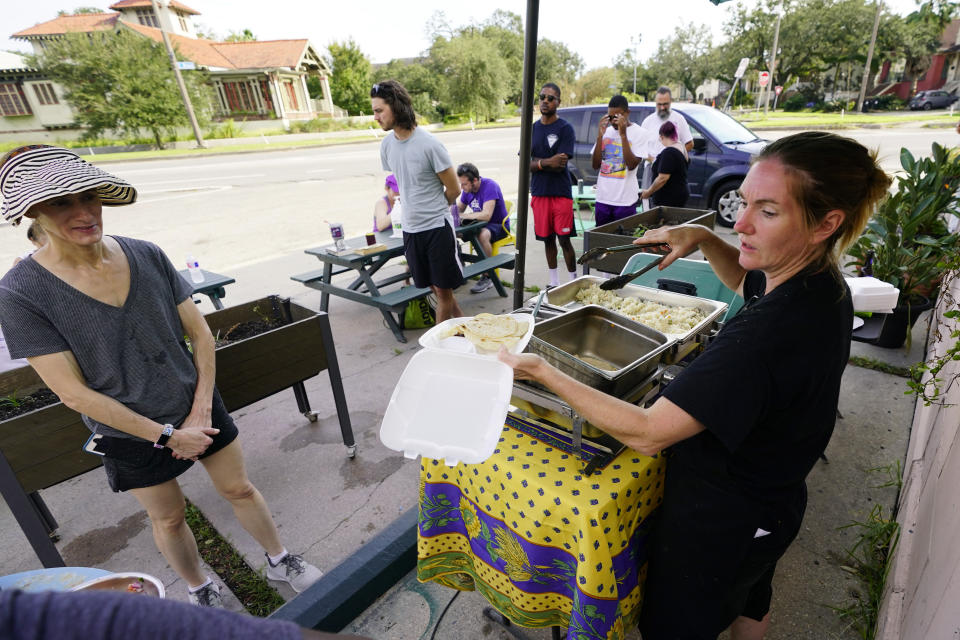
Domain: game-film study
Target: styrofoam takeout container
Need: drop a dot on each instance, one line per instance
(871, 294)
(432, 340)
(448, 405)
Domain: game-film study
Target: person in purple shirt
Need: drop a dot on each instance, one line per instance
(482, 199)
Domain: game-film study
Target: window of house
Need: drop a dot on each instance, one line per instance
(183, 22)
(45, 93)
(239, 96)
(12, 100)
(291, 95)
(148, 17)
(265, 94)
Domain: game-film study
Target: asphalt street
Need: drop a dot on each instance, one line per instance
(232, 211)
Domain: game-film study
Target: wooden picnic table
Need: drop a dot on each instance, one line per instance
(365, 290)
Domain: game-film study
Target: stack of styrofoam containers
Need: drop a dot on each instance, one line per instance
(870, 294)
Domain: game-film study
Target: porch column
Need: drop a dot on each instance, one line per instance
(278, 101)
(327, 98)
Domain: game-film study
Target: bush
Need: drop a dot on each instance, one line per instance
(887, 102)
(226, 129)
(837, 106)
(796, 102)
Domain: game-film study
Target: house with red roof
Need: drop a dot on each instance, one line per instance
(258, 79)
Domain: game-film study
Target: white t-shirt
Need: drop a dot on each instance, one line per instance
(617, 185)
(652, 124)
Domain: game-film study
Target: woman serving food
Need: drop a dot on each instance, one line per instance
(103, 321)
(745, 422)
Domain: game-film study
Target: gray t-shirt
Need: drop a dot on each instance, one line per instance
(416, 162)
(136, 354)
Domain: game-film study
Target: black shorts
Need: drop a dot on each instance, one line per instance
(134, 464)
(434, 258)
(706, 565)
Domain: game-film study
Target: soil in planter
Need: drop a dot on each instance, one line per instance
(13, 405)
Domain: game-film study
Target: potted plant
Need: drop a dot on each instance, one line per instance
(907, 241)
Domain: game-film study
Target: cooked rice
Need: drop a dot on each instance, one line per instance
(662, 317)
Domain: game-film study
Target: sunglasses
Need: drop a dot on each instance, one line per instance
(548, 97)
(376, 90)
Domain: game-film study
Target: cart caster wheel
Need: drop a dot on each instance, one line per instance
(352, 451)
(311, 415)
(493, 615)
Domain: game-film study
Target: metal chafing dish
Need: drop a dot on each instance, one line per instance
(564, 298)
(600, 348)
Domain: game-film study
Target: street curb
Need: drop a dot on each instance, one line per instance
(331, 603)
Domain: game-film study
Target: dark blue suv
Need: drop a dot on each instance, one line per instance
(722, 150)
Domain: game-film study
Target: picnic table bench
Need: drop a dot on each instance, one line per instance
(365, 290)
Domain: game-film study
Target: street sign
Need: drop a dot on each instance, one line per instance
(186, 65)
(764, 78)
(741, 68)
(777, 89)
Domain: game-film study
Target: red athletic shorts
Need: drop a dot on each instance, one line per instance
(552, 216)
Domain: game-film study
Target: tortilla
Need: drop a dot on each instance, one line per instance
(488, 332)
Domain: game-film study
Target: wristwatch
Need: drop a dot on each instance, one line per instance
(164, 436)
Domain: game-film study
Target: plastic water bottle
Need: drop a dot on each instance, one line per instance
(194, 267)
(396, 218)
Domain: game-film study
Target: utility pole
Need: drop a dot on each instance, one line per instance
(176, 72)
(866, 67)
(635, 40)
(773, 62)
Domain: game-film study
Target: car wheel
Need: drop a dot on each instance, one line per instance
(726, 202)
(928, 106)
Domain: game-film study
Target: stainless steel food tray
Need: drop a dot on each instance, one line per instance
(593, 331)
(565, 297)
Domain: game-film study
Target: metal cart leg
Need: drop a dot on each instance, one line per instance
(336, 385)
(303, 402)
(504, 623)
(49, 522)
(28, 517)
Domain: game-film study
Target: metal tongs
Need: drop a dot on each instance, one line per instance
(602, 252)
(622, 280)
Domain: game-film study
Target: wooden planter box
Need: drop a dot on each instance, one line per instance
(607, 235)
(251, 369)
(43, 448)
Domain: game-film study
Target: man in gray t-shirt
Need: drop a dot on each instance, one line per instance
(429, 186)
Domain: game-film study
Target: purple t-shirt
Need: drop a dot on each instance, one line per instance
(489, 190)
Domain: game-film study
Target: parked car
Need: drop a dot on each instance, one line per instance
(719, 161)
(927, 100)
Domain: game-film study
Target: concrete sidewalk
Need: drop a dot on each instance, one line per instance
(327, 506)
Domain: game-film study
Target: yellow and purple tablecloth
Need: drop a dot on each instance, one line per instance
(546, 545)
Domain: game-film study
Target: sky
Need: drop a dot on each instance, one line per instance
(386, 30)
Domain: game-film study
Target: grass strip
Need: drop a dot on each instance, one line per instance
(250, 586)
(877, 365)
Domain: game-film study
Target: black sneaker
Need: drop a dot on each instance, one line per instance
(482, 285)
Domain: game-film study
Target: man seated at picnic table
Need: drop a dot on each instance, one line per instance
(481, 199)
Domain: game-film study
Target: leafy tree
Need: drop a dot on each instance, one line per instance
(647, 76)
(594, 86)
(420, 81)
(121, 82)
(241, 36)
(556, 63)
(919, 36)
(350, 76)
(79, 11)
(685, 57)
(477, 78)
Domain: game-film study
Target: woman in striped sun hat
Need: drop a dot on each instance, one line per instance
(102, 319)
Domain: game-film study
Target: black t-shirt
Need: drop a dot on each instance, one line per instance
(674, 193)
(547, 141)
(767, 389)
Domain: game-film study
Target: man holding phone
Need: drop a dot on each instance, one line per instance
(550, 196)
(616, 156)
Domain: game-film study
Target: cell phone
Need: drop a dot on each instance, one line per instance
(92, 444)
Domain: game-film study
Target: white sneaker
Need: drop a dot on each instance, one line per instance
(209, 596)
(482, 285)
(293, 570)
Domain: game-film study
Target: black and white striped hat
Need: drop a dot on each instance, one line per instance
(39, 172)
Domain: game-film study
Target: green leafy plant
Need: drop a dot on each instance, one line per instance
(12, 401)
(931, 378)
(907, 236)
(869, 560)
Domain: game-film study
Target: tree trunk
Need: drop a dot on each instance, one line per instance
(158, 138)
